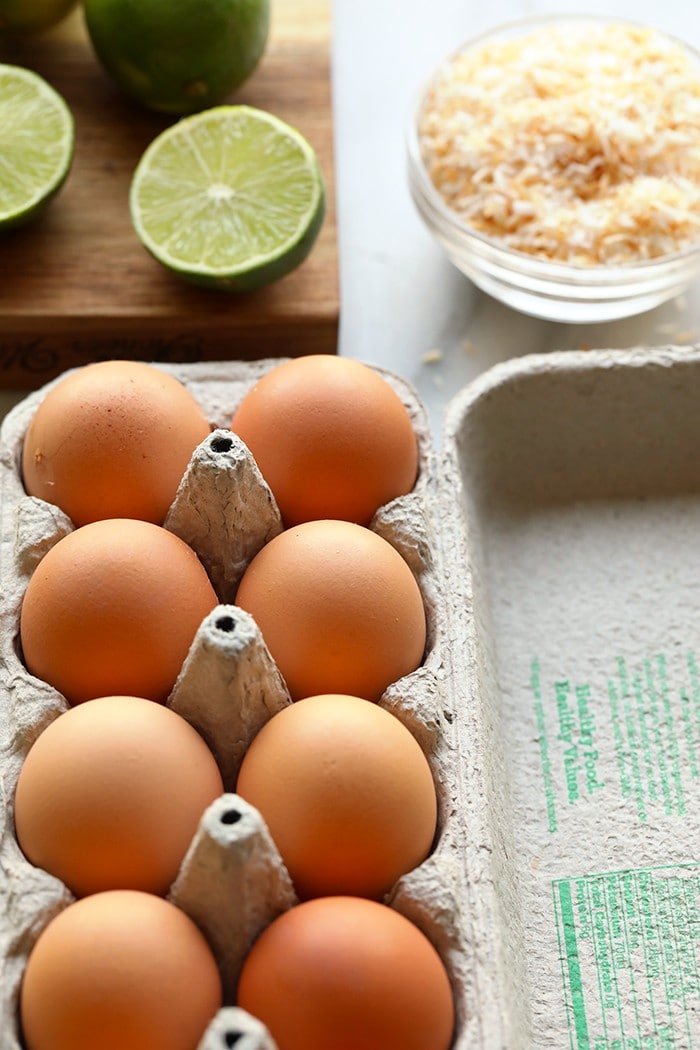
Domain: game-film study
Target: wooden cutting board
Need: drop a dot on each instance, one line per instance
(78, 286)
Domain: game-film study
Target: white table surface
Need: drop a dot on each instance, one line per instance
(403, 305)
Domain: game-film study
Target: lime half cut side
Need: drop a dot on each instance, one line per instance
(38, 138)
(231, 197)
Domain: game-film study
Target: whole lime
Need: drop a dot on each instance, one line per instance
(32, 16)
(178, 56)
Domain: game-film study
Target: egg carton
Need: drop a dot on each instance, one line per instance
(556, 538)
(232, 881)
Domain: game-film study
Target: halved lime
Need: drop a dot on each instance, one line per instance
(38, 138)
(232, 197)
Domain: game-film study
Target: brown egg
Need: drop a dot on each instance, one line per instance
(346, 792)
(340, 973)
(121, 970)
(338, 608)
(112, 609)
(111, 793)
(331, 438)
(112, 440)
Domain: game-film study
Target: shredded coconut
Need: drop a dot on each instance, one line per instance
(578, 143)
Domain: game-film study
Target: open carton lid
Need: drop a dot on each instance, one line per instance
(574, 486)
(554, 538)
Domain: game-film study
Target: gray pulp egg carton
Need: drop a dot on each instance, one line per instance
(232, 881)
(556, 540)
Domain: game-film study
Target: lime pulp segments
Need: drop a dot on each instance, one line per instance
(38, 138)
(231, 197)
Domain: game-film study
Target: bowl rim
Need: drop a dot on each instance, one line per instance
(534, 265)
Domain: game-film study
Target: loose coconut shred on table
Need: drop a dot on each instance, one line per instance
(578, 144)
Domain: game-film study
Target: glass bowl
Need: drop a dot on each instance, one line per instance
(557, 290)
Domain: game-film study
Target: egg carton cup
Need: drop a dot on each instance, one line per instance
(232, 882)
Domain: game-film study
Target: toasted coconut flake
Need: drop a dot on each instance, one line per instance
(578, 143)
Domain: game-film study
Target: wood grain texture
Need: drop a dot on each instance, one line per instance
(78, 286)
